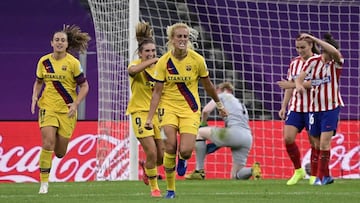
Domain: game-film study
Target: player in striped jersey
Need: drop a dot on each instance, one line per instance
(324, 71)
(297, 105)
(62, 74)
(141, 83)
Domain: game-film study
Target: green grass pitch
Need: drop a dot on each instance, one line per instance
(222, 191)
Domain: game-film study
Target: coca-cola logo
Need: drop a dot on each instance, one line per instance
(80, 163)
(348, 159)
(113, 162)
(102, 157)
(17, 159)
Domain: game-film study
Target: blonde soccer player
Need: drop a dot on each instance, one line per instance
(141, 82)
(177, 78)
(324, 70)
(61, 73)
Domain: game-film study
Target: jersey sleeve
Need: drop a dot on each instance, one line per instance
(203, 71)
(308, 66)
(133, 63)
(39, 70)
(288, 76)
(160, 68)
(77, 68)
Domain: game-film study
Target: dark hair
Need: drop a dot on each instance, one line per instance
(144, 35)
(314, 48)
(329, 39)
(77, 40)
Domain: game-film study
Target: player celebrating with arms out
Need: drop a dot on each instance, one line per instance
(324, 70)
(177, 77)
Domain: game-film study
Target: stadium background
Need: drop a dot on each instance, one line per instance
(27, 29)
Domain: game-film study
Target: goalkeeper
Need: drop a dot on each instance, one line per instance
(236, 135)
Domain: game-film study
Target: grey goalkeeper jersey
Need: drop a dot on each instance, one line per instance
(238, 114)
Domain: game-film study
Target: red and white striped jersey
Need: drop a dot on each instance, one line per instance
(298, 102)
(325, 93)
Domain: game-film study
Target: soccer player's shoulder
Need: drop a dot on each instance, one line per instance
(72, 60)
(135, 62)
(45, 57)
(193, 54)
(296, 58)
(315, 57)
(71, 57)
(165, 56)
(163, 59)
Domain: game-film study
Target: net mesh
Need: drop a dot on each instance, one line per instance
(111, 29)
(248, 43)
(251, 44)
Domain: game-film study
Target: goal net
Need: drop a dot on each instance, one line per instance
(249, 43)
(111, 19)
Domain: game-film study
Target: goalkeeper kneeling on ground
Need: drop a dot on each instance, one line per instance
(236, 135)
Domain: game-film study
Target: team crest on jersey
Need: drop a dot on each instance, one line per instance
(63, 68)
(188, 68)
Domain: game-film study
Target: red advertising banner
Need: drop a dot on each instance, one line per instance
(20, 146)
(268, 149)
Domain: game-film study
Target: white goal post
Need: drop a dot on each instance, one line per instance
(117, 149)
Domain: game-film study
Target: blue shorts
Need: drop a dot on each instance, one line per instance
(298, 119)
(323, 121)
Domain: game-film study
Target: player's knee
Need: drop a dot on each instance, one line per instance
(289, 139)
(151, 155)
(325, 146)
(185, 154)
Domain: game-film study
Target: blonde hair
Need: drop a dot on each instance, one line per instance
(144, 35)
(227, 86)
(193, 35)
(77, 40)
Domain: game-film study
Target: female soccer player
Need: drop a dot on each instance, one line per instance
(141, 82)
(298, 107)
(177, 78)
(324, 70)
(236, 135)
(61, 73)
